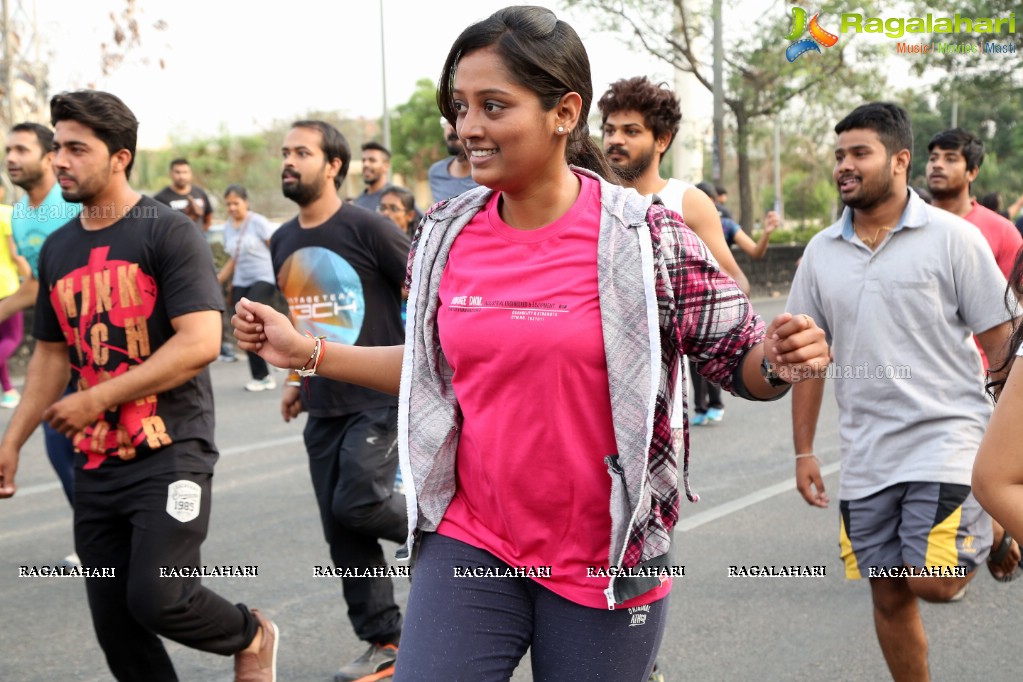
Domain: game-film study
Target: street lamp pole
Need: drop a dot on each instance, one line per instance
(383, 80)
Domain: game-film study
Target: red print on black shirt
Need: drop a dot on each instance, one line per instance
(103, 310)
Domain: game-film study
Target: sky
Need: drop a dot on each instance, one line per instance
(241, 67)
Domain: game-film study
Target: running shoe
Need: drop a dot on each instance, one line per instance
(71, 561)
(376, 664)
(259, 666)
(227, 357)
(11, 399)
(655, 674)
(265, 384)
(715, 414)
(698, 419)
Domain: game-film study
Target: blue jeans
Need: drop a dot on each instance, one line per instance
(61, 454)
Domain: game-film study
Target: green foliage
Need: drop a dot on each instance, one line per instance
(417, 139)
(808, 197)
(250, 160)
(796, 235)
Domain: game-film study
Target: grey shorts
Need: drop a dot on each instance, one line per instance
(917, 525)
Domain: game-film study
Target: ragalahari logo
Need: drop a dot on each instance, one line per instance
(818, 36)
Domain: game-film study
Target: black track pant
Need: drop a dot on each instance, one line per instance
(352, 461)
(131, 531)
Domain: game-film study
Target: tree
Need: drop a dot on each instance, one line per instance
(126, 38)
(760, 82)
(417, 139)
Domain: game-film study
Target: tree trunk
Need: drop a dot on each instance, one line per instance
(742, 133)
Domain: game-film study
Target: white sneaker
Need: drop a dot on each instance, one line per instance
(10, 399)
(71, 561)
(266, 384)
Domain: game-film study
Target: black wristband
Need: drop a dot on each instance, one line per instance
(769, 374)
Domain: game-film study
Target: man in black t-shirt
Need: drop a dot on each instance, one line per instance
(341, 269)
(182, 195)
(129, 307)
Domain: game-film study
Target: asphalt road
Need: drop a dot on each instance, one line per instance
(720, 628)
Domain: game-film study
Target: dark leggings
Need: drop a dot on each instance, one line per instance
(10, 339)
(130, 530)
(477, 629)
(260, 292)
(705, 394)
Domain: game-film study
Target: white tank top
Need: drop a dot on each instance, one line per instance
(672, 194)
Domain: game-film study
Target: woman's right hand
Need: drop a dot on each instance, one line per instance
(262, 330)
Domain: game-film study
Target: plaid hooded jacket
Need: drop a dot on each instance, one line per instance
(661, 296)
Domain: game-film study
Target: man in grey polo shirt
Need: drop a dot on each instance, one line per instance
(899, 287)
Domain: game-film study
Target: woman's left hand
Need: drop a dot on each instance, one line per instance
(796, 347)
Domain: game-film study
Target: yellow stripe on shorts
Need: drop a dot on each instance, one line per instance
(852, 569)
(941, 542)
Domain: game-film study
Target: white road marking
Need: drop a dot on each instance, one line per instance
(740, 503)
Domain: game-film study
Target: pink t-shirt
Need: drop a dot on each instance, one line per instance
(520, 326)
(1001, 235)
(1004, 240)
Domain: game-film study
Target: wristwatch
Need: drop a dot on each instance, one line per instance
(770, 376)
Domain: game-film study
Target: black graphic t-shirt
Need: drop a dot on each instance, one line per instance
(112, 295)
(179, 202)
(343, 280)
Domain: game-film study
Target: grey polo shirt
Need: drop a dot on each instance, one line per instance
(908, 377)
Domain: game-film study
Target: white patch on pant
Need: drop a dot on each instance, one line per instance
(639, 614)
(183, 500)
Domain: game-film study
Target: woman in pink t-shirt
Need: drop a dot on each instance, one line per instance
(547, 313)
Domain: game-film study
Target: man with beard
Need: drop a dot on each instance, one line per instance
(182, 195)
(341, 268)
(129, 310)
(376, 167)
(29, 164)
(192, 200)
(451, 176)
(899, 286)
(639, 121)
(955, 158)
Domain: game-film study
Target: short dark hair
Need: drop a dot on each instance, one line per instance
(105, 114)
(721, 189)
(332, 143)
(889, 121)
(991, 200)
(42, 133)
(181, 161)
(407, 199)
(237, 190)
(658, 104)
(962, 141)
(707, 189)
(376, 146)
